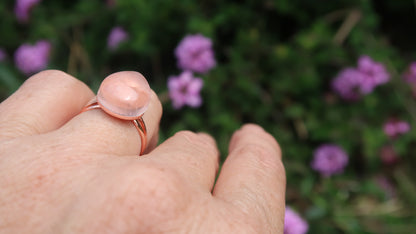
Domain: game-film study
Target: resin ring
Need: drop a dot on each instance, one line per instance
(125, 97)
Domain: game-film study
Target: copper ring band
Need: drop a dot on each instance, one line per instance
(138, 124)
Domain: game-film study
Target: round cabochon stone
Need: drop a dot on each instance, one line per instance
(125, 95)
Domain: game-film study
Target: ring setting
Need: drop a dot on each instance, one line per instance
(125, 97)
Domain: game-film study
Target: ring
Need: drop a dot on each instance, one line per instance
(124, 97)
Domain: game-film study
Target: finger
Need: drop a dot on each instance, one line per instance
(253, 176)
(95, 131)
(194, 156)
(43, 103)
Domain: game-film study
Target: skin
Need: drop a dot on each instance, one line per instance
(65, 172)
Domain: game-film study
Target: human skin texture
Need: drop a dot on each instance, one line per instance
(65, 172)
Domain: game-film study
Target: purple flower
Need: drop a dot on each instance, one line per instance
(195, 53)
(3, 55)
(348, 84)
(32, 58)
(329, 159)
(294, 224)
(374, 73)
(410, 75)
(22, 9)
(353, 83)
(184, 90)
(116, 36)
(393, 128)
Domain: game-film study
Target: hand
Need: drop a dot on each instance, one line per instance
(65, 172)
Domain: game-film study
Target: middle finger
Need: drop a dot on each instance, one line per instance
(194, 156)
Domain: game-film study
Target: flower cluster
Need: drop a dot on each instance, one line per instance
(116, 37)
(353, 83)
(194, 54)
(22, 9)
(294, 224)
(329, 159)
(32, 58)
(393, 128)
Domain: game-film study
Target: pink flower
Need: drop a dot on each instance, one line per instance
(294, 223)
(184, 90)
(329, 159)
(353, 83)
(348, 84)
(195, 53)
(22, 9)
(374, 73)
(116, 36)
(393, 128)
(32, 58)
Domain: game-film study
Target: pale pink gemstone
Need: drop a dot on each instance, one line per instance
(125, 95)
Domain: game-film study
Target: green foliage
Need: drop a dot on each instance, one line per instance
(276, 60)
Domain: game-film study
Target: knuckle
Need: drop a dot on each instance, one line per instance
(258, 151)
(197, 141)
(252, 127)
(49, 75)
(188, 135)
(55, 77)
(52, 73)
(250, 131)
(262, 156)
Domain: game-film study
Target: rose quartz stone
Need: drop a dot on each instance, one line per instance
(125, 95)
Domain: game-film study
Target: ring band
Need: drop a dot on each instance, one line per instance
(138, 124)
(125, 96)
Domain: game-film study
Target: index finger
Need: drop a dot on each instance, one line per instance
(253, 177)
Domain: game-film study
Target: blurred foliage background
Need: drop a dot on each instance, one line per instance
(275, 63)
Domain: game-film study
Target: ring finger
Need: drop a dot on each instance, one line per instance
(98, 132)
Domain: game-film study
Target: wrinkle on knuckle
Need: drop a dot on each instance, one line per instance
(19, 128)
(187, 135)
(56, 77)
(260, 155)
(198, 142)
